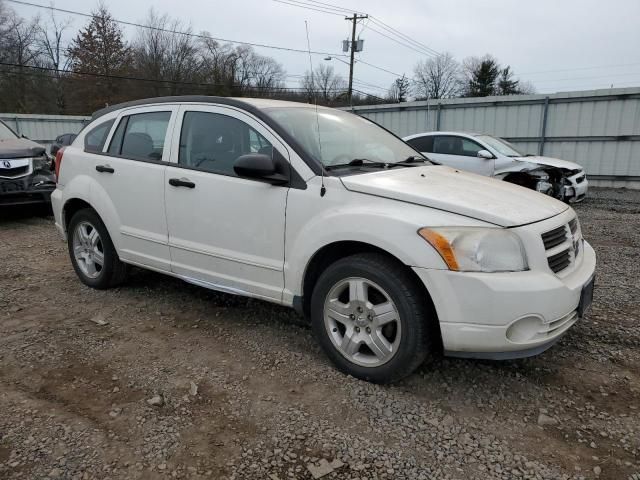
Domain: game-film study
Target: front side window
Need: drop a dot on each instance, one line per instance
(422, 144)
(141, 136)
(213, 142)
(95, 138)
(452, 145)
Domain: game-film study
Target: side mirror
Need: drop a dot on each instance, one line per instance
(485, 154)
(259, 167)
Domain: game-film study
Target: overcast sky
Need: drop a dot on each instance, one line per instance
(557, 45)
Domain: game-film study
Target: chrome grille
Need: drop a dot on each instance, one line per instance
(15, 168)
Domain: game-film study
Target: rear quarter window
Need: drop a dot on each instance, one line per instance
(95, 138)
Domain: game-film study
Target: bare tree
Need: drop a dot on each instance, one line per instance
(20, 51)
(53, 55)
(323, 84)
(267, 75)
(399, 91)
(162, 54)
(437, 77)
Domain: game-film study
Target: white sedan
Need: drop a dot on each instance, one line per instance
(494, 157)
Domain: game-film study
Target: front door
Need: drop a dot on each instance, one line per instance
(225, 232)
(462, 153)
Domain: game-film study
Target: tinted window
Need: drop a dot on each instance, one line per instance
(95, 138)
(141, 136)
(213, 142)
(422, 144)
(450, 145)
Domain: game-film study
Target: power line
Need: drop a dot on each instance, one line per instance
(379, 68)
(336, 7)
(291, 2)
(325, 7)
(153, 80)
(423, 52)
(403, 36)
(176, 32)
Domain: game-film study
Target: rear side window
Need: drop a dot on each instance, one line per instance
(95, 138)
(422, 144)
(141, 136)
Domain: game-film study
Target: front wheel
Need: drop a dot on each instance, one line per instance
(371, 318)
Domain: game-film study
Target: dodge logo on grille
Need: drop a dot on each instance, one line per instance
(6, 164)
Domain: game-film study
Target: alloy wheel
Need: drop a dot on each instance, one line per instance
(362, 321)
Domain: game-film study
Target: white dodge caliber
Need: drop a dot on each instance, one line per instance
(390, 256)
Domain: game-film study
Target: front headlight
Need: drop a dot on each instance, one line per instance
(41, 163)
(476, 249)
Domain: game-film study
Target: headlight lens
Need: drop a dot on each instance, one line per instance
(41, 163)
(472, 249)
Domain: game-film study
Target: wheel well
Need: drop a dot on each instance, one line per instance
(334, 252)
(71, 207)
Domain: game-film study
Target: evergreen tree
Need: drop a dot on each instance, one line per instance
(507, 85)
(100, 49)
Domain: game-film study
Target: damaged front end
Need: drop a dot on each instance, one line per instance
(559, 183)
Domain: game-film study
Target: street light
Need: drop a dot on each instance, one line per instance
(340, 60)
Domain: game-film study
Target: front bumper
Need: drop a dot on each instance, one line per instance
(506, 315)
(27, 190)
(577, 190)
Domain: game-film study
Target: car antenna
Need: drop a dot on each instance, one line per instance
(323, 190)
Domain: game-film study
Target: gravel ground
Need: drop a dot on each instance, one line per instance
(161, 379)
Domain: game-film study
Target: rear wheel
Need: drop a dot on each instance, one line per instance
(92, 253)
(371, 318)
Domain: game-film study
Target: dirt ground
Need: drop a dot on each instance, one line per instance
(242, 391)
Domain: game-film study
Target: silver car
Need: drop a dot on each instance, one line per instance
(492, 156)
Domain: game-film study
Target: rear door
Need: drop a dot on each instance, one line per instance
(131, 171)
(225, 232)
(462, 153)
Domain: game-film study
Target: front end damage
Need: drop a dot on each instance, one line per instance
(567, 185)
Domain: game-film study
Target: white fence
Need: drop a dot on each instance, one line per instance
(598, 129)
(43, 129)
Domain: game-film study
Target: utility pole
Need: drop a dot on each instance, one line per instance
(353, 19)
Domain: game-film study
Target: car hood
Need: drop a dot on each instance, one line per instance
(20, 148)
(464, 193)
(550, 162)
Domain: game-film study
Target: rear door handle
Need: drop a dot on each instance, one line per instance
(181, 182)
(104, 169)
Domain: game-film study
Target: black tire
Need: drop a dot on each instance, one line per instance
(417, 318)
(113, 271)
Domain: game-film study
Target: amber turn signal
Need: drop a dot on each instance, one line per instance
(442, 245)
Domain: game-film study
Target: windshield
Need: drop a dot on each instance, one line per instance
(343, 136)
(6, 133)
(501, 146)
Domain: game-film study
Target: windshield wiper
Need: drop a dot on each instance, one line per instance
(358, 162)
(407, 162)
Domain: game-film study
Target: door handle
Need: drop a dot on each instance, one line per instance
(181, 182)
(104, 169)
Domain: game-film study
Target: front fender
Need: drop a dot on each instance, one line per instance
(390, 225)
